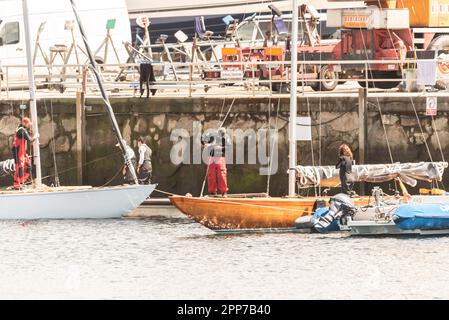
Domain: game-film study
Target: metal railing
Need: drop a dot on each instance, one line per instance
(190, 76)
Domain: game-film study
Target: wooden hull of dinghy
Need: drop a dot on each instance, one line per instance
(246, 213)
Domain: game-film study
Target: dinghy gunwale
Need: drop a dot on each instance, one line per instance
(31, 192)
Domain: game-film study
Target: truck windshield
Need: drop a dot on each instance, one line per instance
(9, 33)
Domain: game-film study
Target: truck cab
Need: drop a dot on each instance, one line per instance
(12, 47)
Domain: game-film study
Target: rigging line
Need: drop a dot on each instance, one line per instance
(411, 98)
(222, 108)
(320, 123)
(422, 131)
(303, 80)
(112, 179)
(57, 183)
(377, 98)
(272, 147)
(229, 111)
(438, 139)
(84, 165)
(269, 150)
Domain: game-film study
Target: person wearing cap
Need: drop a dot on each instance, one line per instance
(217, 143)
(144, 168)
(127, 176)
(21, 158)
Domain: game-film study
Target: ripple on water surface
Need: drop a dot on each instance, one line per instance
(179, 259)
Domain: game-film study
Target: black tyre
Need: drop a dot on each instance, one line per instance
(437, 44)
(280, 87)
(363, 84)
(386, 75)
(329, 80)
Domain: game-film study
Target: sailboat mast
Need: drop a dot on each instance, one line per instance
(104, 95)
(33, 107)
(293, 101)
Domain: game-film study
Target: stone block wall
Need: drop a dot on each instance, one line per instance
(155, 119)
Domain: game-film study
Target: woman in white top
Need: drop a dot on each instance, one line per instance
(144, 168)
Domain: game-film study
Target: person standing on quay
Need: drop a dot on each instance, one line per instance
(144, 168)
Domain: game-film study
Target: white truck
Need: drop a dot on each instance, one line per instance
(56, 39)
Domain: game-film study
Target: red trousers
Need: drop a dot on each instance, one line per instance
(217, 169)
(22, 174)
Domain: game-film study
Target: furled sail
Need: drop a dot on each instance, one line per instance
(7, 167)
(409, 173)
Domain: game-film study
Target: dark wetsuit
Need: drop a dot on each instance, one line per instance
(345, 166)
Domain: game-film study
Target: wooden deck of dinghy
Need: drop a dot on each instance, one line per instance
(247, 213)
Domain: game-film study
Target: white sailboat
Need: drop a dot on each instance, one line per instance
(70, 202)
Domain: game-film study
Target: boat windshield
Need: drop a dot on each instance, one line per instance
(246, 31)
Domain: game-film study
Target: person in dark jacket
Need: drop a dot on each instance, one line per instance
(216, 144)
(345, 162)
(147, 78)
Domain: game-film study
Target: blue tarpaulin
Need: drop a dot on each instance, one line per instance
(433, 216)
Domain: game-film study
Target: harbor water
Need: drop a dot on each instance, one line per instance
(176, 258)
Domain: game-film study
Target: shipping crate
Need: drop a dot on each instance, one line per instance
(427, 13)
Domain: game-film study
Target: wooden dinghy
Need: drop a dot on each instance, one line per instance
(236, 213)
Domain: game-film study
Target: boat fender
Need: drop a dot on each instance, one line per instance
(305, 222)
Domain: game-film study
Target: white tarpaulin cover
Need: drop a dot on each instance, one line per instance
(409, 173)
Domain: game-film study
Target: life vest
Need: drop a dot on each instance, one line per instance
(20, 147)
(20, 140)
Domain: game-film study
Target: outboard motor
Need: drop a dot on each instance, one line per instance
(341, 209)
(7, 167)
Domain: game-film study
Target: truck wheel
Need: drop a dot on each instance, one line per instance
(441, 43)
(363, 84)
(280, 87)
(386, 75)
(330, 80)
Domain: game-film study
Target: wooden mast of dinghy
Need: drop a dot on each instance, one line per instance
(106, 101)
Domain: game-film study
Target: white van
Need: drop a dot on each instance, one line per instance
(53, 18)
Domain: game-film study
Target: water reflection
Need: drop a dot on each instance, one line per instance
(176, 258)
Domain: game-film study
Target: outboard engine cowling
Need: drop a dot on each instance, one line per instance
(341, 208)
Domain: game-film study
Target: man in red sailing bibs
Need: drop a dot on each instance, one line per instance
(216, 145)
(19, 150)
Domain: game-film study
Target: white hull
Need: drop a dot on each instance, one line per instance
(94, 203)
